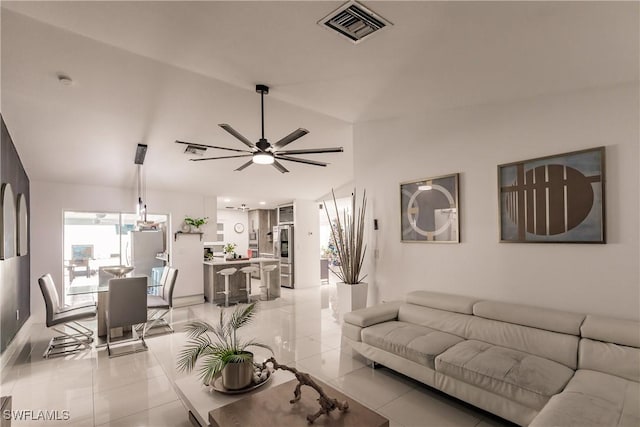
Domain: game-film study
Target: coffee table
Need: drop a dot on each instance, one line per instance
(199, 399)
(269, 406)
(272, 408)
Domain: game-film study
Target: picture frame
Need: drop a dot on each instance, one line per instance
(429, 210)
(553, 199)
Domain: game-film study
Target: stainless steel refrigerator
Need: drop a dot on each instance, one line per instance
(283, 245)
(144, 246)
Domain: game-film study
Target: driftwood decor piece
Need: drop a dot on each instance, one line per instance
(327, 404)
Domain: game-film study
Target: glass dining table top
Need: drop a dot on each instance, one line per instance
(104, 287)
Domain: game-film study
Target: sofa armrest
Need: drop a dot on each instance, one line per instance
(376, 314)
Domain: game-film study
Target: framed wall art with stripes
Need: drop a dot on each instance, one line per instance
(554, 199)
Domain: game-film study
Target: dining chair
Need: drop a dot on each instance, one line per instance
(68, 317)
(160, 306)
(127, 307)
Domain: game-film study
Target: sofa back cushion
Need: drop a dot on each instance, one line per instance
(535, 317)
(609, 329)
(611, 346)
(442, 320)
(448, 302)
(609, 358)
(559, 347)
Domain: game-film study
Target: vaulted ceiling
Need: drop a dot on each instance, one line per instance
(154, 72)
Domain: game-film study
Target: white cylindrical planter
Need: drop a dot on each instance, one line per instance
(351, 297)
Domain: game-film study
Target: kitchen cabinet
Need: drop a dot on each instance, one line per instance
(262, 221)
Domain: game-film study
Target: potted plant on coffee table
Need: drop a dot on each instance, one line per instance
(350, 249)
(219, 349)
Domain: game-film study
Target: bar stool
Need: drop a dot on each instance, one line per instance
(266, 280)
(226, 273)
(248, 271)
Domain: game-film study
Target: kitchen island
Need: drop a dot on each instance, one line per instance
(214, 282)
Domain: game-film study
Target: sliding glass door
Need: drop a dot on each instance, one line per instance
(93, 241)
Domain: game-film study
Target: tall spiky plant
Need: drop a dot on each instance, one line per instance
(225, 349)
(348, 236)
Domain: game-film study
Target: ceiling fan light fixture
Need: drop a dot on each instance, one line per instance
(263, 158)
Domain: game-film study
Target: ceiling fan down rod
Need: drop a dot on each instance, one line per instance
(263, 90)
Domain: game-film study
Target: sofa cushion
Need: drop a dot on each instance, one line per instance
(610, 358)
(593, 399)
(527, 379)
(448, 302)
(608, 329)
(416, 343)
(561, 348)
(536, 317)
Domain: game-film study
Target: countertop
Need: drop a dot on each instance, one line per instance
(245, 261)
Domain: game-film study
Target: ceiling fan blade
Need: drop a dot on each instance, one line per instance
(235, 133)
(246, 165)
(279, 166)
(312, 151)
(223, 157)
(205, 146)
(298, 160)
(298, 133)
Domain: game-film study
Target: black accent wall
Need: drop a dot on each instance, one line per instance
(15, 293)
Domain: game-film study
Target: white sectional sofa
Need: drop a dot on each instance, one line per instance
(530, 365)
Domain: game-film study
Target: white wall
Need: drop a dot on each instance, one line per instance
(306, 243)
(49, 200)
(588, 278)
(230, 218)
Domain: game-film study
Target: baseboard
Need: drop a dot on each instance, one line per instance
(10, 354)
(188, 300)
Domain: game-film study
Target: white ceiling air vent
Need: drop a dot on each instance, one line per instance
(354, 21)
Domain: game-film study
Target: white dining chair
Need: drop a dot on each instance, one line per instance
(127, 307)
(67, 317)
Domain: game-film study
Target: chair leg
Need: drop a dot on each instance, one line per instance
(135, 337)
(66, 343)
(157, 320)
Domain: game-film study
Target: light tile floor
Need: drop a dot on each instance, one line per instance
(138, 389)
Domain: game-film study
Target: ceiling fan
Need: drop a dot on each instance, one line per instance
(243, 207)
(263, 152)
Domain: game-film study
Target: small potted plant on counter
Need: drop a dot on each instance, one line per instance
(230, 250)
(195, 223)
(222, 354)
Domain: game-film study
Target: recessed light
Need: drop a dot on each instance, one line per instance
(263, 203)
(227, 200)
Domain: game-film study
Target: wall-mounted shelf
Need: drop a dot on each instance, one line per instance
(177, 233)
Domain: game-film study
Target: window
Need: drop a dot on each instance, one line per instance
(94, 240)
